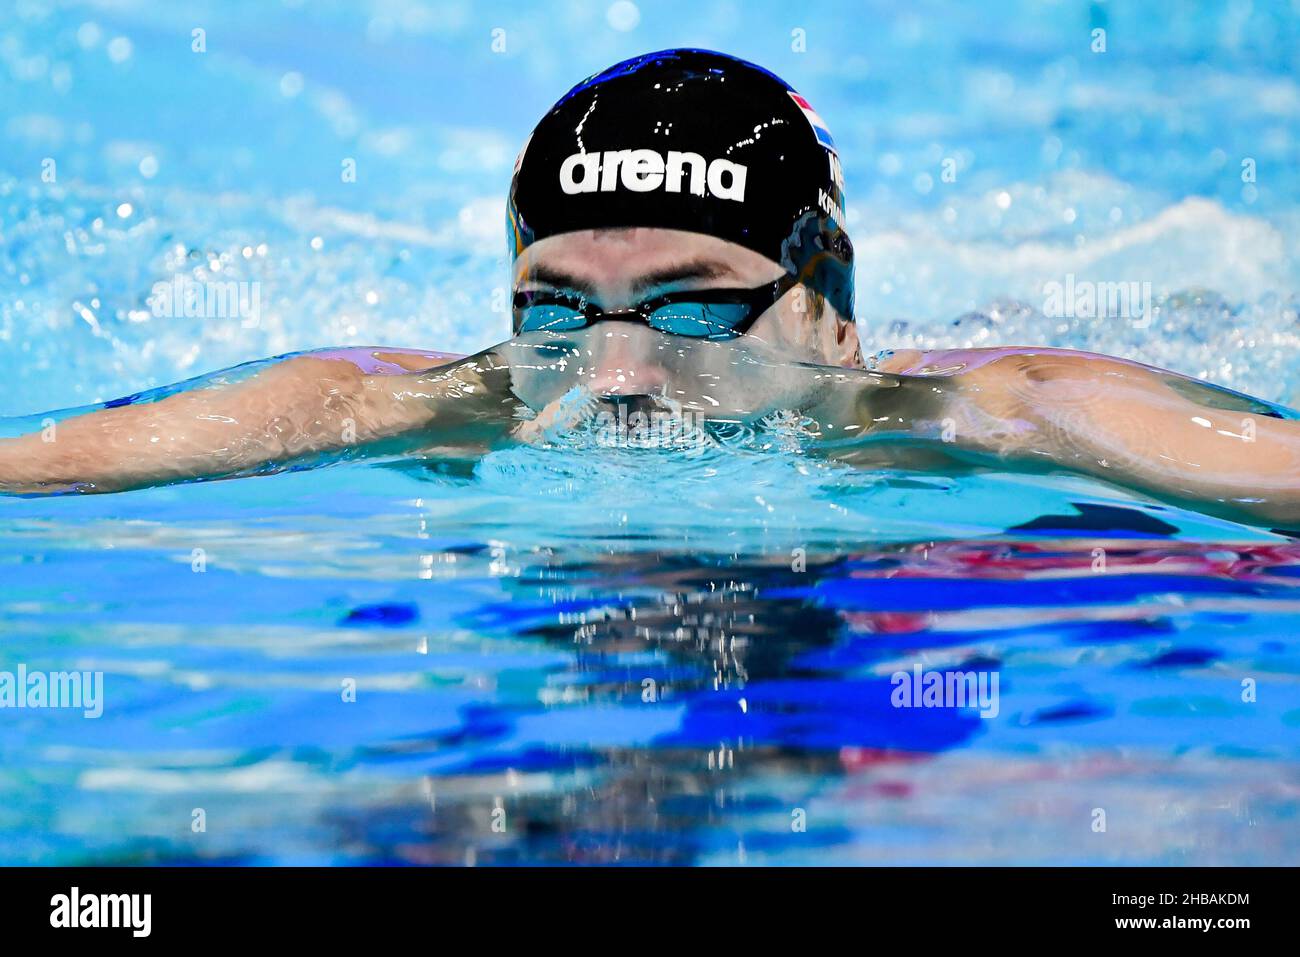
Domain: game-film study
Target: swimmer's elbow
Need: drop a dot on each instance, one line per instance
(295, 410)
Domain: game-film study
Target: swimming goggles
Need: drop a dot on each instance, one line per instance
(697, 313)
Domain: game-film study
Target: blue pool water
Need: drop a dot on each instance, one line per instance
(632, 656)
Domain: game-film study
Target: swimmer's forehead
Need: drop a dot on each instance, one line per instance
(639, 258)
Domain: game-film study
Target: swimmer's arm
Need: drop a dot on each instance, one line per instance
(1125, 423)
(301, 410)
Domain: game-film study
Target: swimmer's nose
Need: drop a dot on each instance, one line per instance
(640, 379)
(621, 367)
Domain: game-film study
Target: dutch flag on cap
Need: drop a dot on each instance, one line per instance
(815, 121)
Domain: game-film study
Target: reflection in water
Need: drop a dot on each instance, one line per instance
(582, 653)
(614, 697)
(739, 710)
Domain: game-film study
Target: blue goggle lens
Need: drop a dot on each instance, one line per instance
(550, 318)
(699, 320)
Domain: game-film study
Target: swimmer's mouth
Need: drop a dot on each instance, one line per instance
(628, 405)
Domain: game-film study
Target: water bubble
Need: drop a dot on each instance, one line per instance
(623, 15)
(119, 49)
(291, 84)
(89, 35)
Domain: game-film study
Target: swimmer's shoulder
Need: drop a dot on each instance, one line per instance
(387, 360)
(991, 362)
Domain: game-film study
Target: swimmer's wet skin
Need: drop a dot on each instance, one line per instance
(714, 277)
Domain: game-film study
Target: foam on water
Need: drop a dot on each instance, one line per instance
(972, 183)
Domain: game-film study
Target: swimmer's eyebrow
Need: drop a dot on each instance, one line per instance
(682, 272)
(559, 280)
(698, 269)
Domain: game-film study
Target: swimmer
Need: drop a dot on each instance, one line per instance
(676, 227)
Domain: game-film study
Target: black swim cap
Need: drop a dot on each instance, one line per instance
(697, 141)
